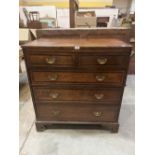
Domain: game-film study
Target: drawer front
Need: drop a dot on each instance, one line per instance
(103, 61)
(113, 78)
(76, 95)
(80, 113)
(51, 60)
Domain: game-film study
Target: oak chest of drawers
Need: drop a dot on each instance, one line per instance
(77, 80)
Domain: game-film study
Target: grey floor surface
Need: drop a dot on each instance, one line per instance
(76, 142)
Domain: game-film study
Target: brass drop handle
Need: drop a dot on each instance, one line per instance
(102, 61)
(55, 113)
(54, 95)
(97, 114)
(100, 78)
(50, 60)
(99, 96)
(53, 77)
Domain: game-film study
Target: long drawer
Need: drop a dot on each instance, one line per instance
(85, 95)
(112, 78)
(48, 112)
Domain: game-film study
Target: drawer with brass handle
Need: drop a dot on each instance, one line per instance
(97, 114)
(103, 61)
(105, 96)
(99, 96)
(53, 77)
(106, 78)
(100, 77)
(55, 113)
(53, 95)
(51, 60)
(83, 113)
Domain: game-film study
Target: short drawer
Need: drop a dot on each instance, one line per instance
(106, 96)
(51, 60)
(113, 78)
(103, 61)
(83, 113)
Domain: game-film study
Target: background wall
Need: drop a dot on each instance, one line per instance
(132, 6)
(61, 7)
(123, 5)
(65, 3)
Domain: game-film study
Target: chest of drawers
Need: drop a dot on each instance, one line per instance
(77, 81)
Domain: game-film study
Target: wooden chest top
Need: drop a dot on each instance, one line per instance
(81, 42)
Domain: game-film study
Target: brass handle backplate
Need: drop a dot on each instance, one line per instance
(50, 60)
(102, 61)
(54, 95)
(76, 47)
(97, 114)
(99, 96)
(100, 78)
(55, 113)
(53, 77)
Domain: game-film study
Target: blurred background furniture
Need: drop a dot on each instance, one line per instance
(48, 22)
(85, 19)
(37, 17)
(102, 21)
(98, 17)
(32, 19)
